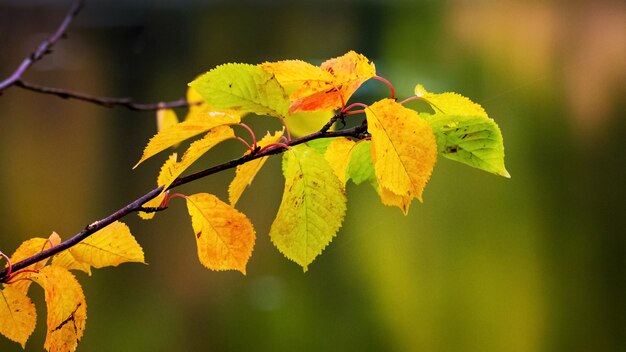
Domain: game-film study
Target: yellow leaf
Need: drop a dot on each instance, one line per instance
(187, 129)
(67, 309)
(306, 122)
(312, 208)
(164, 176)
(450, 103)
(244, 174)
(391, 199)
(338, 156)
(170, 170)
(166, 118)
(293, 73)
(111, 246)
(27, 249)
(225, 237)
(404, 150)
(66, 260)
(17, 315)
(349, 72)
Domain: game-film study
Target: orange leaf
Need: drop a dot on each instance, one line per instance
(225, 237)
(349, 72)
(244, 174)
(67, 309)
(17, 315)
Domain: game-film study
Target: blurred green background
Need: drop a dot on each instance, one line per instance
(534, 263)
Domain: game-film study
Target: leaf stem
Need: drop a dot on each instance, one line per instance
(385, 81)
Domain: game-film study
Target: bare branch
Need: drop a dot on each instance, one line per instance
(44, 48)
(108, 102)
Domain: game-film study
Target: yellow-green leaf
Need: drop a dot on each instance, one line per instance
(312, 208)
(472, 140)
(404, 150)
(243, 88)
(450, 103)
(67, 309)
(17, 315)
(111, 246)
(361, 167)
(244, 174)
(225, 237)
(170, 171)
(187, 129)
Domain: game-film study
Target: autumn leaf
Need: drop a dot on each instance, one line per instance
(171, 170)
(338, 156)
(17, 315)
(165, 118)
(66, 259)
(389, 198)
(165, 175)
(243, 88)
(111, 246)
(291, 74)
(404, 150)
(244, 174)
(306, 122)
(67, 309)
(349, 72)
(450, 103)
(28, 249)
(312, 208)
(225, 237)
(185, 130)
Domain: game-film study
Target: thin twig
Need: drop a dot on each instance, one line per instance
(108, 102)
(44, 48)
(136, 205)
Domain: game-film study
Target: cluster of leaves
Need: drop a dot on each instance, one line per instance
(65, 301)
(394, 151)
(396, 156)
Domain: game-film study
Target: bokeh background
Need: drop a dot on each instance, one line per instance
(532, 263)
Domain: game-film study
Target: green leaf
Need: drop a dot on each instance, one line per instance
(361, 168)
(472, 140)
(312, 209)
(243, 88)
(320, 145)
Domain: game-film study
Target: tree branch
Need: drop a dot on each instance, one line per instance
(44, 48)
(108, 102)
(358, 132)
